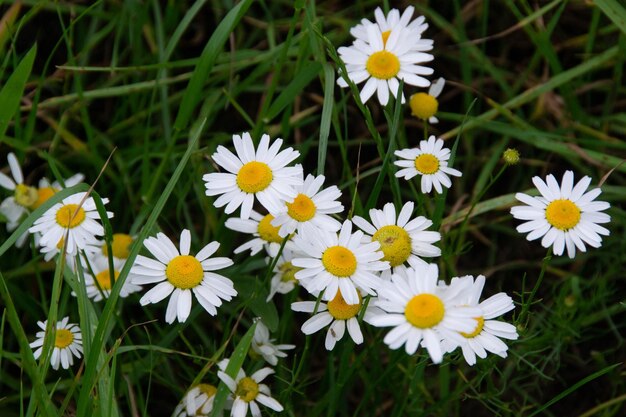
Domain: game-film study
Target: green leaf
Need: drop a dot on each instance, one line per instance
(12, 91)
(613, 11)
(294, 88)
(327, 113)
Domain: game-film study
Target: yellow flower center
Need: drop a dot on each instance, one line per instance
(386, 36)
(254, 177)
(383, 65)
(267, 232)
(104, 279)
(247, 389)
(424, 311)
(70, 216)
(339, 261)
(207, 389)
(25, 196)
(43, 194)
(288, 272)
(395, 243)
(562, 214)
(63, 338)
(339, 309)
(423, 105)
(120, 245)
(302, 209)
(184, 271)
(427, 163)
(477, 330)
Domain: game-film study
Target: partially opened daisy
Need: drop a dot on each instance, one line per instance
(98, 278)
(393, 20)
(180, 274)
(485, 337)
(263, 346)
(422, 313)
(336, 313)
(265, 234)
(330, 262)
(247, 391)
(262, 174)
(425, 105)
(383, 62)
(284, 278)
(75, 219)
(197, 402)
(566, 216)
(310, 209)
(67, 343)
(430, 160)
(401, 239)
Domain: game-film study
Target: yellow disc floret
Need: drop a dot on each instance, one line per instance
(207, 389)
(302, 209)
(120, 245)
(562, 214)
(383, 65)
(340, 310)
(184, 272)
(254, 177)
(386, 37)
(63, 338)
(477, 330)
(70, 216)
(423, 106)
(247, 389)
(43, 195)
(288, 272)
(25, 196)
(427, 164)
(395, 243)
(104, 279)
(267, 232)
(339, 261)
(424, 311)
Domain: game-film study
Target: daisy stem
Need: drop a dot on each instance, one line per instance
(275, 260)
(526, 304)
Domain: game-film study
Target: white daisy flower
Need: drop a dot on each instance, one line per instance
(197, 402)
(265, 234)
(425, 105)
(341, 261)
(566, 216)
(430, 160)
(75, 217)
(421, 313)
(99, 284)
(265, 347)
(484, 338)
(284, 278)
(180, 274)
(401, 239)
(310, 209)
(336, 313)
(383, 62)
(393, 20)
(67, 343)
(262, 173)
(248, 390)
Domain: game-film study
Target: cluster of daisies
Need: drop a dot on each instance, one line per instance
(375, 270)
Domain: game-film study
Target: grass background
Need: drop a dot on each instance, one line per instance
(158, 85)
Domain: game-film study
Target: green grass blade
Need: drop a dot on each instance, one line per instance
(327, 114)
(294, 88)
(11, 93)
(614, 11)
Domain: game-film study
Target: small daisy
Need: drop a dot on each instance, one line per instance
(430, 160)
(401, 239)
(264, 346)
(248, 390)
(120, 246)
(341, 261)
(336, 313)
(262, 173)
(393, 20)
(310, 209)
(197, 402)
(284, 278)
(67, 343)
(47, 189)
(265, 234)
(425, 105)
(99, 284)
(75, 217)
(180, 274)
(383, 62)
(566, 216)
(422, 313)
(484, 338)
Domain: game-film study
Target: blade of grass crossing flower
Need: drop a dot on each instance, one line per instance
(614, 11)
(327, 112)
(11, 93)
(103, 330)
(234, 364)
(194, 90)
